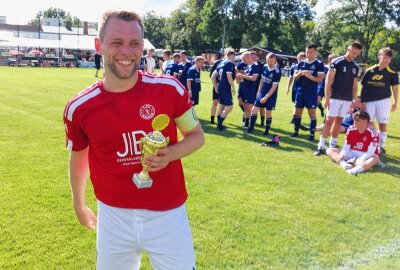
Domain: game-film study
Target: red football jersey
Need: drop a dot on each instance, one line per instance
(361, 141)
(112, 124)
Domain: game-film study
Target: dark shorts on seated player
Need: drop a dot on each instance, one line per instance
(195, 98)
(225, 98)
(215, 95)
(269, 105)
(321, 92)
(306, 99)
(249, 94)
(347, 122)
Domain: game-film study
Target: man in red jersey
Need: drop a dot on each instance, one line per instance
(104, 124)
(361, 146)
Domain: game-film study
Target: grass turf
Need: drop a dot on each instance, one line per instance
(250, 207)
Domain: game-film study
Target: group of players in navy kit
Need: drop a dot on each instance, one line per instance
(187, 74)
(312, 82)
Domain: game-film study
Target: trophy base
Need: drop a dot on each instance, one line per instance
(140, 183)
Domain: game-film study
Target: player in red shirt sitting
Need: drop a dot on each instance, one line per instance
(360, 150)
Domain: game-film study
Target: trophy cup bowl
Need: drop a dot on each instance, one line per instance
(148, 147)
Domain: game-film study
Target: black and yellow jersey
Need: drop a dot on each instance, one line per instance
(376, 84)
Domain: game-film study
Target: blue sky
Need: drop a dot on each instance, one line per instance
(90, 10)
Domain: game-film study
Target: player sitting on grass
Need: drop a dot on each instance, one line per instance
(360, 150)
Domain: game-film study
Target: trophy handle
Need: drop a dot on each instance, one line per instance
(141, 147)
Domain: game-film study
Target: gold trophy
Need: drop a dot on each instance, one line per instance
(148, 146)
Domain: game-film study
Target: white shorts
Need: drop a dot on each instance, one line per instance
(379, 110)
(122, 235)
(354, 154)
(338, 108)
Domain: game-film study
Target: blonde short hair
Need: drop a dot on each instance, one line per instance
(199, 58)
(119, 14)
(386, 51)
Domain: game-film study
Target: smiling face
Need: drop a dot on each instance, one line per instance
(122, 48)
(311, 54)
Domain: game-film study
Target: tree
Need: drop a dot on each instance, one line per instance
(155, 29)
(279, 22)
(368, 17)
(211, 25)
(54, 13)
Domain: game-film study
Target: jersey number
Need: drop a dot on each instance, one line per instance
(359, 145)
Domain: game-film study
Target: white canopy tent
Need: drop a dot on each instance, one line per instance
(67, 41)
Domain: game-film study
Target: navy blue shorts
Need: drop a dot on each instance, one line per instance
(240, 91)
(294, 91)
(195, 97)
(225, 97)
(308, 99)
(215, 95)
(321, 92)
(249, 94)
(269, 105)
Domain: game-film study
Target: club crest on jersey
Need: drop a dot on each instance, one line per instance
(344, 69)
(312, 67)
(147, 111)
(354, 71)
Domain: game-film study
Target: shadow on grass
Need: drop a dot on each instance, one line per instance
(394, 165)
(393, 137)
(286, 142)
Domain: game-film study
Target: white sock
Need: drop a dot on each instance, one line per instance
(321, 144)
(358, 169)
(332, 142)
(345, 165)
(382, 138)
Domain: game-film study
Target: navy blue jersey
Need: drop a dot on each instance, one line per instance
(214, 66)
(172, 69)
(321, 85)
(269, 78)
(316, 67)
(251, 70)
(185, 68)
(226, 67)
(296, 83)
(142, 63)
(241, 66)
(260, 69)
(346, 71)
(193, 75)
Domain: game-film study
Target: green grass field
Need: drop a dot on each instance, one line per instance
(250, 207)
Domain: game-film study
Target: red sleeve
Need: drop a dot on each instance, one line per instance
(348, 138)
(76, 139)
(183, 103)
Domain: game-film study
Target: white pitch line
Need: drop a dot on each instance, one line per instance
(369, 257)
